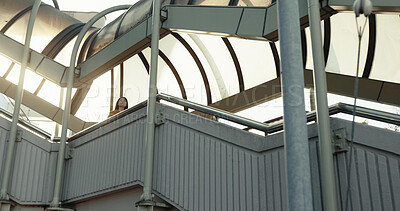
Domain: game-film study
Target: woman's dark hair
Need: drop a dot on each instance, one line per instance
(117, 106)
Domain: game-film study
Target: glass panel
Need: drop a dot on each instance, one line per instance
(224, 62)
(96, 105)
(310, 61)
(32, 81)
(13, 77)
(217, 91)
(4, 65)
(135, 81)
(256, 61)
(50, 92)
(166, 81)
(186, 68)
(386, 64)
(333, 99)
(264, 111)
(344, 45)
(44, 31)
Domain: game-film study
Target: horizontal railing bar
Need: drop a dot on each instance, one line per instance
(108, 121)
(215, 112)
(267, 127)
(27, 124)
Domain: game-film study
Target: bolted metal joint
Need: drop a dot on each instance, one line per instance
(339, 141)
(164, 15)
(68, 152)
(160, 118)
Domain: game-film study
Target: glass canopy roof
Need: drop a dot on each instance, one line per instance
(201, 67)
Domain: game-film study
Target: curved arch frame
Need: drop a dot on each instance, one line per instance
(67, 107)
(304, 47)
(327, 39)
(371, 46)
(198, 63)
(175, 72)
(236, 62)
(276, 58)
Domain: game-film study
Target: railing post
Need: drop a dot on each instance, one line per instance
(54, 205)
(295, 128)
(328, 182)
(146, 200)
(17, 107)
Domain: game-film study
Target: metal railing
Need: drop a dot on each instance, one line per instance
(381, 116)
(268, 127)
(277, 125)
(27, 125)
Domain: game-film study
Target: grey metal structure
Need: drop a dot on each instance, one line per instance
(204, 165)
(18, 101)
(324, 128)
(199, 163)
(34, 165)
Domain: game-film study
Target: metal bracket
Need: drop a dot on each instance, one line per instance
(160, 118)
(18, 138)
(68, 152)
(339, 140)
(164, 15)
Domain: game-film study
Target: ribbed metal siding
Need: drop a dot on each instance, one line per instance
(30, 171)
(198, 167)
(374, 181)
(201, 172)
(107, 162)
(3, 139)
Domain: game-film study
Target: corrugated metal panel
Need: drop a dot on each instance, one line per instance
(201, 172)
(374, 180)
(3, 145)
(29, 177)
(204, 165)
(104, 163)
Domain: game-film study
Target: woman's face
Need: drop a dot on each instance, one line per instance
(122, 103)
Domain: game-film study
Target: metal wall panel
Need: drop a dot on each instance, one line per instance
(30, 172)
(374, 180)
(110, 161)
(201, 164)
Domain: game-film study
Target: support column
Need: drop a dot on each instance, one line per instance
(146, 200)
(328, 182)
(55, 204)
(295, 128)
(17, 107)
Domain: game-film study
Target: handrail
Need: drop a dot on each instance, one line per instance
(270, 126)
(108, 121)
(216, 112)
(267, 127)
(369, 113)
(27, 124)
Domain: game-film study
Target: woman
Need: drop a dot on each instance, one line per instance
(122, 104)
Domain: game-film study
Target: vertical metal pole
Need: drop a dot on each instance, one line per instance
(121, 79)
(67, 108)
(151, 104)
(112, 90)
(295, 128)
(18, 100)
(324, 128)
(60, 102)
